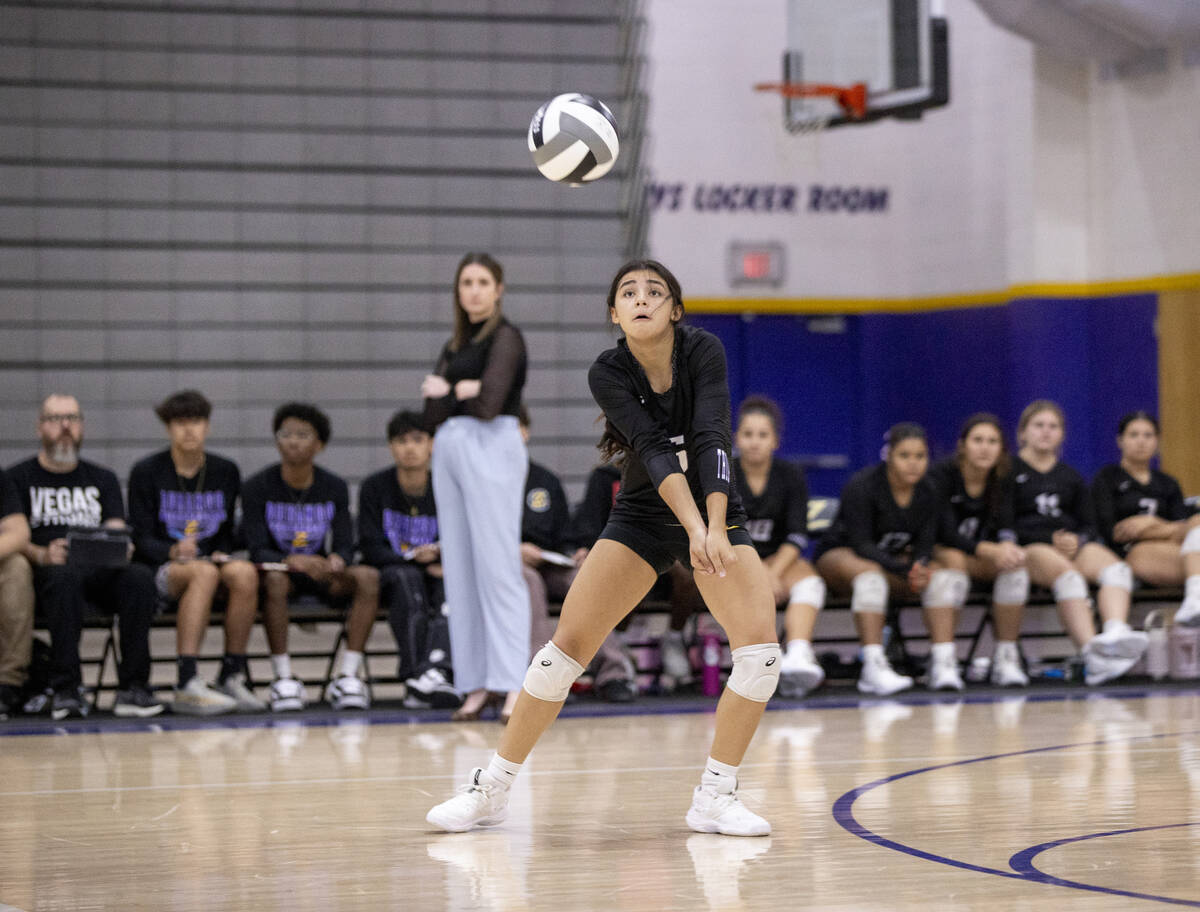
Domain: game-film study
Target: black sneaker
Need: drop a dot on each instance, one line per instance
(72, 701)
(431, 691)
(618, 691)
(137, 700)
(10, 701)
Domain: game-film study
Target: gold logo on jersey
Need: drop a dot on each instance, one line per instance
(300, 540)
(538, 500)
(192, 527)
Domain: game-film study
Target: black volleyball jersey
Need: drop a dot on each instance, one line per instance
(780, 513)
(964, 521)
(686, 429)
(499, 362)
(1117, 495)
(546, 519)
(871, 522)
(164, 507)
(1046, 502)
(392, 523)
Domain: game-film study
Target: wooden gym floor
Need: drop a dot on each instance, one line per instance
(1056, 800)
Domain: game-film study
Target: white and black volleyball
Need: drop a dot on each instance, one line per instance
(573, 138)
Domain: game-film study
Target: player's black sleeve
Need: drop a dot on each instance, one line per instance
(261, 545)
(648, 438)
(797, 509)
(1104, 504)
(1084, 512)
(926, 534)
(372, 541)
(438, 410)
(1006, 521)
(711, 434)
(592, 513)
(1173, 509)
(505, 357)
(143, 518)
(855, 516)
(112, 503)
(342, 527)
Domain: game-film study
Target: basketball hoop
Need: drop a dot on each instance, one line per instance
(851, 99)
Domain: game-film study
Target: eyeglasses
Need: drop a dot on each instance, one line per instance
(302, 436)
(70, 418)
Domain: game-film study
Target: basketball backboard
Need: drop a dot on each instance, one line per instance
(898, 49)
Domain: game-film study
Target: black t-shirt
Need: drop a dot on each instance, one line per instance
(599, 495)
(780, 513)
(499, 362)
(391, 523)
(685, 429)
(964, 520)
(10, 501)
(164, 507)
(1045, 502)
(278, 520)
(546, 519)
(56, 502)
(1117, 495)
(871, 522)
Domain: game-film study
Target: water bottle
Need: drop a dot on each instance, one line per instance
(711, 657)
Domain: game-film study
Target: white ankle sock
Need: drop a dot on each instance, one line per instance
(502, 772)
(719, 776)
(873, 653)
(797, 649)
(1191, 587)
(1114, 624)
(943, 652)
(282, 665)
(351, 662)
(1005, 649)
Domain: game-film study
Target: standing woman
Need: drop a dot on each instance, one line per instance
(880, 544)
(665, 397)
(975, 533)
(479, 468)
(1140, 513)
(775, 495)
(1055, 523)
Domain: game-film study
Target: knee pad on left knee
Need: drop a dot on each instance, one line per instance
(1118, 575)
(808, 591)
(946, 587)
(755, 671)
(551, 674)
(1011, 587)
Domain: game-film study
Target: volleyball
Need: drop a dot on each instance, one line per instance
(573, 138)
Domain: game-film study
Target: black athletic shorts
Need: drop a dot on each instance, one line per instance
(661, 544)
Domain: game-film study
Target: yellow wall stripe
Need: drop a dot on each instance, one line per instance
(1148, 285)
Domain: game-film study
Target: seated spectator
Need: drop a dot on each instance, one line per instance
(398, 535)
(1140, 514)
(547, 532)
(296, 518)
(59, 493)
(16, 599)
(181, 509)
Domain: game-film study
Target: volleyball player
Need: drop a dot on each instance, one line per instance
(775, 496)
(1055, 523)
(880, 544)
(1140, 513)
(975, 533)
(665, 397)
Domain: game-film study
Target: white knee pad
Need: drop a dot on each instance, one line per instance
(1070, 585)
(1118, 575)
(946, 587)
(551, 674)
(755, 671)
(809, 591)
(1011, 587)
(1191, 542)
(870, 593)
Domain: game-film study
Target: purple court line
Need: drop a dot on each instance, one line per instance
(1022, 862)
(843, 813)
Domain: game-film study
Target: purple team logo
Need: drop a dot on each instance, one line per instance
(407, 532)
(299, 528)
(192, 514)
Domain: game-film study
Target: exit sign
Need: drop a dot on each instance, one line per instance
(756, 264)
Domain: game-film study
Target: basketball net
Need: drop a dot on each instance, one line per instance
(852, 100)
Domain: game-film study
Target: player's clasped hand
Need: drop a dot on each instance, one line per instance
(698, 551)
(720, 552)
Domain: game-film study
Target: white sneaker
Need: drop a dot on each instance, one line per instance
(348, 692)
(431, 690)
(1121, 642)
(1188, 614)
(196, 698)
(287, 695)
(236, 687)
(1099, 667)
(674, 657)
(718, 812)
(1007, 672)
(799, 673)
(479, 803)
(943, 675)
(878, 678)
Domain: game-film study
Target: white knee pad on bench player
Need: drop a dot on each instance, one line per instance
(946, 587)
(1070, 585)
(1011, 587)
(1191, 542)
(870, 593)
(755, 671)
(1118, 575)
(551, 674)
(808, 591)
